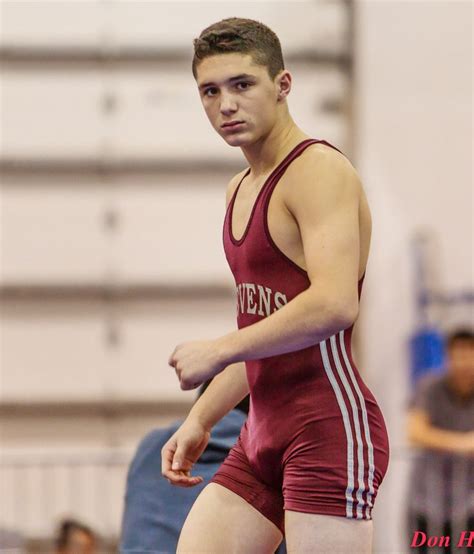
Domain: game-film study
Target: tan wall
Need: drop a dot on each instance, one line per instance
(414, 147)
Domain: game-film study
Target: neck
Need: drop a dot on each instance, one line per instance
(266, 153)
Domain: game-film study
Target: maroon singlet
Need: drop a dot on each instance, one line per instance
(315, 439)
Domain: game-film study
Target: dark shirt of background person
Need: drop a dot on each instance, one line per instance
(155, 510)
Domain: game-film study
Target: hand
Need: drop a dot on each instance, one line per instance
(465, 445)
(196, 362)
(181, 451)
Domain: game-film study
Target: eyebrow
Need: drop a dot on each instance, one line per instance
(231, 80)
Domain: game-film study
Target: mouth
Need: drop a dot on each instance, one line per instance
(232, 124)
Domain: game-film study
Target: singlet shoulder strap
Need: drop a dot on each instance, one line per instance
(297, 151)
(281, 168)
(234, 194)
(276, 174)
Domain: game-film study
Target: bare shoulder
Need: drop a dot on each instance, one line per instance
(232, 185)
(321, 171)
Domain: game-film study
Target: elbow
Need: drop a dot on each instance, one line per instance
(337, 316)
(338, 312)
(345, 314)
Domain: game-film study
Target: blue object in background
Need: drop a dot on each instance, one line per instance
(427, 353)
(155, 510)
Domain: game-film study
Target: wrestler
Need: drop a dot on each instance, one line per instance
(310, 458)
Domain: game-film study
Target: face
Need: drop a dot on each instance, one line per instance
(461, 364)
(240, 99)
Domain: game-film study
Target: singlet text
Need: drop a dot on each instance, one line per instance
(257, 299)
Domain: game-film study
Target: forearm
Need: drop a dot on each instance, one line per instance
(437, 439)
(307, 319)
(224, 392)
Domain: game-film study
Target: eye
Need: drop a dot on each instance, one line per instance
(211, 91)
(243, 85)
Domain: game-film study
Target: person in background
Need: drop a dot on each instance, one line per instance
(74, 537)
(155, 510)
(441, 426)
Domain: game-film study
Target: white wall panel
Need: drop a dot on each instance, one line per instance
(57, 353)
(171, 232)
(321, 24)
(53, 233)
(95, 430)
(53, 23)
(51, 354)
(52, 114)
(150, 333)
(314, 88)
(168, 232)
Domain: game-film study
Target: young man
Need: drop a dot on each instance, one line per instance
(314, 450)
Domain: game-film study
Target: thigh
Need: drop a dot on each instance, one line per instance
(221, 521)
(324, 534)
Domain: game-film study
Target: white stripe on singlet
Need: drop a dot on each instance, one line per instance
(355, 415)
(370, 447)
(347, 428)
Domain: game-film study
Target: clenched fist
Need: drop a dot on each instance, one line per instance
(196, 362)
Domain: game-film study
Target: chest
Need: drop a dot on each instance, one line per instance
(282, 226)
(450, 414)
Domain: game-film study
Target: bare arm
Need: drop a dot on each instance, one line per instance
(422, 433)
(224, 392)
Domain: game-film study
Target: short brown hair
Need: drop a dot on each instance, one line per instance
(67, 527)
(244, 36)
(460, 335)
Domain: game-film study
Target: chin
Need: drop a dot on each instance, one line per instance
(238, 140)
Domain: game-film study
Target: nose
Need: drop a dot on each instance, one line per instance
(228, 104)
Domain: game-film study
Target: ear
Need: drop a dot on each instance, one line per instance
(283, 82)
